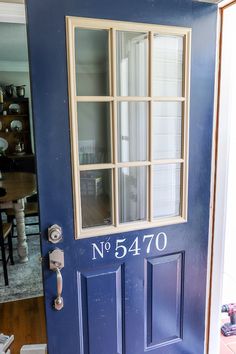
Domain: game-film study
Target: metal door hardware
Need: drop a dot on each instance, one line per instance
(56, 263)
(55, 233)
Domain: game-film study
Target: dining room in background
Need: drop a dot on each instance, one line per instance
(19, 206)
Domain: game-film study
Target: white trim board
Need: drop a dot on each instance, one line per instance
(221, 190)
(12, 13)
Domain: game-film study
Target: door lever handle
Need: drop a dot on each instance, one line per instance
(58, 302)
(56, 263)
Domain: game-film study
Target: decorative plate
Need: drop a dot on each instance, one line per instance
(3, 144)
(16, 125)
(14, 108)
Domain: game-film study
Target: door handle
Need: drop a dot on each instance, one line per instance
(56, 263)
(58, 302)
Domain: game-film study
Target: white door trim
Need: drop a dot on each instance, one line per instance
(12, 13)
(211, 341)
(219, 184)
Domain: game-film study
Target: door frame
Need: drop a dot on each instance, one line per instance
(217, 225)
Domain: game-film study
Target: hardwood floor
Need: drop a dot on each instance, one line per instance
(26, 320)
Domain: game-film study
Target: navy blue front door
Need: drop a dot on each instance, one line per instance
(153, 302)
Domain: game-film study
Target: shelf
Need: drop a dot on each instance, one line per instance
(15, 99)
(13, 115)
(26, 155)
(14, 132)
(13, 136)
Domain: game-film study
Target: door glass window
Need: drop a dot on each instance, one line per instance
(129, 103)
(132, 119)
(91, 62)
(167, 130)
(168, 66)
(166, 190)
(94, 132)
(132, 194)
(132, 64)
(96, 198)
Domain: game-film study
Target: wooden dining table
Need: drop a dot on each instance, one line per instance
(18, 186)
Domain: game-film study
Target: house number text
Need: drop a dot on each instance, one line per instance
(123, 247)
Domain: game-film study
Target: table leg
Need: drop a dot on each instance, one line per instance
(20, 227)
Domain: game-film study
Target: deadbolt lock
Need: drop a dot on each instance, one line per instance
(55, 233)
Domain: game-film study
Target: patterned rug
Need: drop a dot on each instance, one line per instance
(25, 279)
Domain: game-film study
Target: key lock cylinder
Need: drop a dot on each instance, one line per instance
(56, 263)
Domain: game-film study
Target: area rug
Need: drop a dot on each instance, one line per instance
(25, 279)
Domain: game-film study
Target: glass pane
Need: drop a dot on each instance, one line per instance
(94, 132)
(132, 131)
(132, 63)
(168, 66)
(132, 194)
(167, 128)
(96, 198)
(166, 190)
(92, 62)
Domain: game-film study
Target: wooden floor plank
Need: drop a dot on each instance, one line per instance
(26, 320)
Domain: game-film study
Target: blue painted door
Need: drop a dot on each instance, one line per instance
(153, 301)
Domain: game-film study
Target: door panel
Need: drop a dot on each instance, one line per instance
(151, 301)
(100, 310)
(164, 299)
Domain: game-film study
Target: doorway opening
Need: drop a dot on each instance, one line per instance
(21, 286)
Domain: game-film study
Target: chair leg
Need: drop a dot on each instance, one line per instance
(4, 261)
(10, 220)
(10, 247)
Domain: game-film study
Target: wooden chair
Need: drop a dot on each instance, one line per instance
(31, 210)
(6, 235)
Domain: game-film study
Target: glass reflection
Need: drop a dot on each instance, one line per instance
(92, 62)
(168, 66)
(167, 129)
(94, 132)
(132, 194)
(96, 198)
(131, 63)
(132, 131)
(166, 190)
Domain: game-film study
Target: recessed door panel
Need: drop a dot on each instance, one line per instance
(164, 300)
(100, 310)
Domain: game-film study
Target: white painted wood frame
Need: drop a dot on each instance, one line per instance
(219, 180)
(112, 26)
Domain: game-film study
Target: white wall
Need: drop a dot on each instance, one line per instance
(228, 107)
